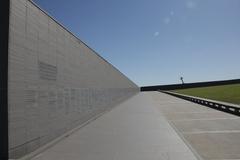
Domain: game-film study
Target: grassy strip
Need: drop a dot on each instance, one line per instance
(225, 93)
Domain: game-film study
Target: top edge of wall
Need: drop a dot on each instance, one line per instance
(79, 40)
(190, 85)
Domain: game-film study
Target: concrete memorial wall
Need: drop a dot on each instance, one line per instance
(55, 81)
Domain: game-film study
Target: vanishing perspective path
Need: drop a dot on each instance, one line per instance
(153, 126)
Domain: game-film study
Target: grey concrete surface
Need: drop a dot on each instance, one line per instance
(133, 130)
(214, 135)
(56, 82)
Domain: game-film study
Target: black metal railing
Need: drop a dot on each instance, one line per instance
(208, 103)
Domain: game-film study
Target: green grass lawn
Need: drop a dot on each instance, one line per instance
(225, 93)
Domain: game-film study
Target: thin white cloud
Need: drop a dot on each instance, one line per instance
(167, 20)
(172, 13)
(156, 34)
(191, 4)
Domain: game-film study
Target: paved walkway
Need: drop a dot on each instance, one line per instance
(213, 134)
(153, 126)
(133, 130)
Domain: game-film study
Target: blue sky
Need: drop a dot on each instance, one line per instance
(157, 41)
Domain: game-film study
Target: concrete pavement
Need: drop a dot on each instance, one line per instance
(213, 134)
(153, 126)
(133, 130)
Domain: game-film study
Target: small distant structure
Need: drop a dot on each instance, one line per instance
(181, 78)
